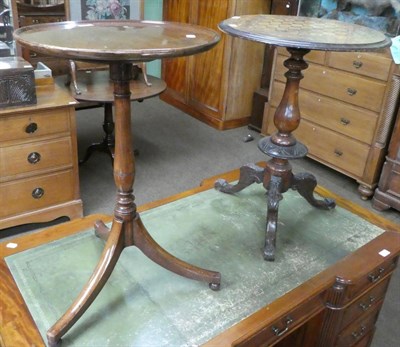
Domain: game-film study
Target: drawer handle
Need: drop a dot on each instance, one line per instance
(31, 128)
(344, 121)
(34, 157)
(357, 64)
(33, 54)
(360, 333)
(364, 306)
(280, 332)
(338, 153)
(37, 193)
(376, 277)
(351, 91)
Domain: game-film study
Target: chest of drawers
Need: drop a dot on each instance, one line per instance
(38, 160)
(347, 107)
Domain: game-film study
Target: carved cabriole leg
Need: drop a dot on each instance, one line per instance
(305, 184)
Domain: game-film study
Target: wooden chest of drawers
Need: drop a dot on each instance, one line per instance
(38, 160)
(347, 107)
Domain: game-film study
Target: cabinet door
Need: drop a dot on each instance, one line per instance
(174, 71)
(206, 69)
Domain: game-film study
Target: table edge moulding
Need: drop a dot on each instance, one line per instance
(318, 305)
(119, 43)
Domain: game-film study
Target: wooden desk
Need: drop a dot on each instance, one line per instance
(39, 178)
(331, 308)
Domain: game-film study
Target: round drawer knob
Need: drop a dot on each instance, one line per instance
(357, 64)
(34, 157)
(37, 193)
(31, 128)
(344, 121)
(351, 91)
(338, 152)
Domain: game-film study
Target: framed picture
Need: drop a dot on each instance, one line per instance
(105, 9)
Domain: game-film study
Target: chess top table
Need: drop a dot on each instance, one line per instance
(349, 258)
(120, 43)
(299, 35)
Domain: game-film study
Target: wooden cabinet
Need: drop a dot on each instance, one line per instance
(216, 86)
(388, 192)
(30, 15)
(346, 106)
(38, 160)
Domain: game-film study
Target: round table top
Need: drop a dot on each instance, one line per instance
(305, 32)
(122, 40)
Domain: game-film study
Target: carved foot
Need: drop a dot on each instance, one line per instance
(365, 192)
(305, 184)
(249, 174)
(274, 196)
(100, 147)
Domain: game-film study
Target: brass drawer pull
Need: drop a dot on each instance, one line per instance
(357, 64)
(34, 157)
(374, 278)
(37, 193)
(33, 54)
(364, 306)
(351, 91)
(280, 332)
(357, 335)
(344, 121)
(338, 153)
(31, 128)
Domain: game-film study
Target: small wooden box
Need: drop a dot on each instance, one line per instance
(17, 82)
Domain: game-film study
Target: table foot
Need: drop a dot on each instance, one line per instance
(305, 183)
(106, 147)
(248, 175)
(144, 241)
(103, 270)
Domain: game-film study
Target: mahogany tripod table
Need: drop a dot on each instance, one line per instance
(119, 44)
(299, 35)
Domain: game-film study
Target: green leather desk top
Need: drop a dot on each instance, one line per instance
(143, 304)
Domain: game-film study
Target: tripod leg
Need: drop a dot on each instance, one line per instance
(156, 253)
(103, 270)
(305, 184)
(274, 196)
(249, 174)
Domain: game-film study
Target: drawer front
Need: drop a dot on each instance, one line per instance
(33, 125)
(348, 120)
(35, 193)
(35, 156)
(317, 57)
(30, 20)
(357, 331)
(373, 65)
(340, 85)
(284, 326)
(365, 304)
(371, 278)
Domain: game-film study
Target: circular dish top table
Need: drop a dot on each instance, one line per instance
(109, 41)
(305, 32)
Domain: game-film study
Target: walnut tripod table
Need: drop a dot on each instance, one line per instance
(120, 43)
(299, 35)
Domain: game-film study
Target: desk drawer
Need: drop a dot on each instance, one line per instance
(367, 64)
(355, 332)
(35, 193)
(365, 304)
(282, 327)
(34, 124)
(339, 85)
(35, 156)
(348, 120)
